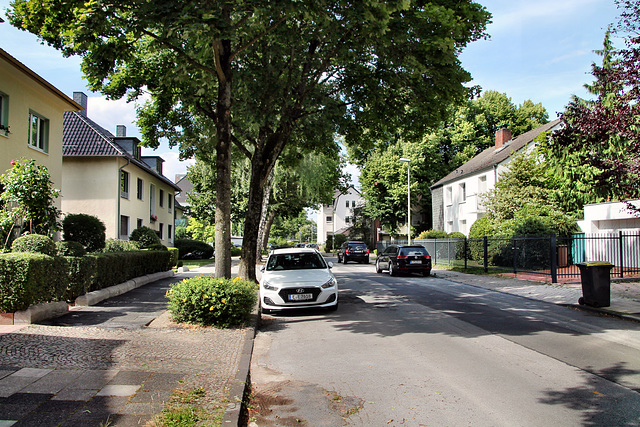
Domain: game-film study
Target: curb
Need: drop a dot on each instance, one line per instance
(628, 317)
(241, 382)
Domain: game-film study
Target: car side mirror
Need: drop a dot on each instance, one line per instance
(262, 269)
(330, 264)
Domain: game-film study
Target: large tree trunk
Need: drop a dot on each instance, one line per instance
(271, 216)
(223, 164)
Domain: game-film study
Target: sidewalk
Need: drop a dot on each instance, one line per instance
(118, 369)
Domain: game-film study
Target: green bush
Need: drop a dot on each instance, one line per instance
(86, 229)
(80, 273)
(194, 248)
(145, 236)
(30, 278)
(210, 301)
(174, 257)
(433, 234)
(456, 235)
(235, 251)
(74, 249)
(338, 240)
(35, 243)
(117, 245)
(118, 267)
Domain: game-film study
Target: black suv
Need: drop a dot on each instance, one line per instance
(404, 259)
(353, 251)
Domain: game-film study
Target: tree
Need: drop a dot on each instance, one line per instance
(259, 74)
(602, 135)
(27, 200)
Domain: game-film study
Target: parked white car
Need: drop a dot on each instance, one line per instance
(297, 278)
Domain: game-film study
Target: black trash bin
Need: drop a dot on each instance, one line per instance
(596, 283)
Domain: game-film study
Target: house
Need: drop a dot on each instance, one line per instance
(610, 217)
(105, 175)
(182, 199)
(31, 115)
(337, 217)
(456, 203)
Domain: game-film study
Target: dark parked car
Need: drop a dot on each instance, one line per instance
(353, 251)
(404, 259)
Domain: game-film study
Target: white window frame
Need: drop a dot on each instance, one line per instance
(125, 184)
(161, 198)
(329, 218)
(124, 220)
(462, 187)
(170, 202)
(140, 189)
(40, 140)
(4, 114)
(448, 195)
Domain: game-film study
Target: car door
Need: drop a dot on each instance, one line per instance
(386, 255)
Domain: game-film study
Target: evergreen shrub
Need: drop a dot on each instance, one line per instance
(72, 249)
(145, 236)
(35, 243)
(194, 248)
(85, 229)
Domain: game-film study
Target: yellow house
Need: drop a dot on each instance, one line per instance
(31, 115)
(106, 176)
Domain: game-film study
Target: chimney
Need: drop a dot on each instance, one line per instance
(121, 130)
(81, 99)
(503, 135)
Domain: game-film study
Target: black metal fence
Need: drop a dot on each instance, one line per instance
(550, 257)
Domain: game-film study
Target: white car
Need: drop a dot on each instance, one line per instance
(297, 278)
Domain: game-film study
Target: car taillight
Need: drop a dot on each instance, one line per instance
(402, 257)
(367, 251)
(427, 256)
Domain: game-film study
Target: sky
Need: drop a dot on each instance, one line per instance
(540, 50)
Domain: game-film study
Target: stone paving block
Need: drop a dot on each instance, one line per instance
(53, 382)
(43, 419)
(151, 397)
(6, 372)
(66, 406)
(129, 420)
(91, 417)
(130, 377)
(11, 385)
(142, 408)
(108, 402)
(118, 390)
(83, 395)
(15, 412)
(93, 379)
(162, 382)
(31, 372)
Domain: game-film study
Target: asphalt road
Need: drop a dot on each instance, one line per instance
(412, 351)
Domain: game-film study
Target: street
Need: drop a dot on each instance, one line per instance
(426, 351)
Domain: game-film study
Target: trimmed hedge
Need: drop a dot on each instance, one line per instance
(70, 249)
(196, 248)
(175, 254)
(35, 243)
(32, 278)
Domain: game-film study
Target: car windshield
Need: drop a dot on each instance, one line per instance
(358, 246)
(295, 261)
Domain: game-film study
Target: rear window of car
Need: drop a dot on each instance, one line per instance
(295, 261)
(357, 246)
(413, 251)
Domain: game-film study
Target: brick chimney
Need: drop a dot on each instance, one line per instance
(503, 135)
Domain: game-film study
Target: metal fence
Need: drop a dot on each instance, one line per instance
(550, 257)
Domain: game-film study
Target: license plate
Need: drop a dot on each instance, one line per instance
(300, 297)
(416, 262)
(357, 252)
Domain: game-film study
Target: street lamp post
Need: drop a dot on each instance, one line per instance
(408, 161)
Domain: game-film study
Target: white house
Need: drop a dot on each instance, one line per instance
(456, 203)
(610, 217)
(337, 217)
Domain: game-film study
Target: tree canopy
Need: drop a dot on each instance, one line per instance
(261, 74)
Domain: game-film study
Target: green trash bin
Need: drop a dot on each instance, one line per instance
(596, 283)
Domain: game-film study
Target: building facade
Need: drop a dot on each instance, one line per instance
(337, 217)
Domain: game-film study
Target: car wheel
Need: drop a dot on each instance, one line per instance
(345, 260)
(339, 259)
(426, 273)
(378, 269)
(366, 261)
(392, 272)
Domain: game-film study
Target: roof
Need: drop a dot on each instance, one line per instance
(82, 137)
(491, 157)
(186, 188)
(26, 70)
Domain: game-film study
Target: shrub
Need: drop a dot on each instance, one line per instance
(80, 272)
(86, 229)
(433, 234)
(145, 236)
(456, 235)
(193, 249)
(74, 249)
(117, 245)
(338, 240)
(174, 257)
(36, 243)
(210, 301)
(235, 251)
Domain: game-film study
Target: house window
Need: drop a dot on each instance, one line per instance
(161, 231)
(124, 227)
(170, 202)
(463, 226)
(4, 114)
(353, 203)
(482, 184)
(38, 132)
(463, 192)
(329, 219)
(448, 195)
(347, 203)
(139, 223)
(347, 219)
(161, 199)
(140, 189)
(124, 184)
(152, 200)
(169, 230)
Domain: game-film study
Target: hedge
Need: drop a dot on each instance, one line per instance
(32, 278)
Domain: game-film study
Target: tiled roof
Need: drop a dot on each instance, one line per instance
(82, 137)
(186, 188)
(491, 157)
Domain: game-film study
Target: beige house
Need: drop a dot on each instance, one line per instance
(31, 115)
(106, 176)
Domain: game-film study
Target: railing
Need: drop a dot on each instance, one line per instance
(549, 257)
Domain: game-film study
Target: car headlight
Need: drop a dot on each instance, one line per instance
(330, 284)
(268, 287)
